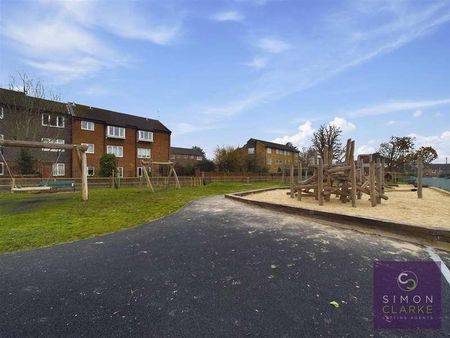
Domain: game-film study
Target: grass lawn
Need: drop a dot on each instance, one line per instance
(36, 220)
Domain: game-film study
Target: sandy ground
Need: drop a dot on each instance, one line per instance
(403, 206)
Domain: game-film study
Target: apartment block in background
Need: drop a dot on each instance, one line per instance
(130, 138)
(185, 156)
(272, 155)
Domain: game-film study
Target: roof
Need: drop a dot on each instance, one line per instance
(16, 98)
(441, 166)
(11, 97)
(117, 119)
(185, 151)
(251, 143)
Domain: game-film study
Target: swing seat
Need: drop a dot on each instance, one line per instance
(29, 189)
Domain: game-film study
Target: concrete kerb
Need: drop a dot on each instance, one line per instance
(412, 230)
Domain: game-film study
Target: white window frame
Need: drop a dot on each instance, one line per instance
(2, 113)
(146, 149)
(93, 171)
(88, 145)
(269, 161)
(251, 151)
(110, 149)
(2, 137)
(111, 132)
(120, 171)
(53, 141)
(58, 169)
(48, 117)
(143, 133)
(199, 158)
(2, 168)
(87, 124)
(269, 150)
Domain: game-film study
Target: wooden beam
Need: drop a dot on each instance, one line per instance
(84, 181)
(320, 182)
(378, 180)
(373, 198)
(419, 178)
(300, 174)
(353, 184)
(33, 144)
(291, 179)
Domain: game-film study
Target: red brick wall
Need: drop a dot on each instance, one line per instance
(129, 162)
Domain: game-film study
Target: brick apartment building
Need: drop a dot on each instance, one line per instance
(274, 156)
(130, 138)
(24, 117)
(186, 156)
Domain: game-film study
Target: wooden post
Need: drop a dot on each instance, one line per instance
(419, 178)
(84, 181)
(299, 188)
(291, 180)
(361, 176)
(202, 178)
(383, 163)
(282, 175)
(378, 179)
(113, 180)
(373, 199)
(177, 181)
(353, 171)
(320, 181)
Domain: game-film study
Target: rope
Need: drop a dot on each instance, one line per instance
(57, 159)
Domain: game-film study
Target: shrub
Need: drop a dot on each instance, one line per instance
(108, 164)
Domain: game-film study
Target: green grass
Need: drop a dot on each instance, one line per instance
(37, 220)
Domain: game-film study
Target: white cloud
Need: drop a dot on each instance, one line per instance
(273, 45)
(63, 39)
(187, 128)
(397, 106)
(300, 138)
(365, 149)
(417, 113)
(440, 142)
(228, 16)
(343, 124)
(257, 62)
(348, 37)
(391, 122)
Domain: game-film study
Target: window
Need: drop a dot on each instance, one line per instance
(88, 125)
(172, 157)
(52, 140)
(269, 162)
(59, 169)
(53, 121)
(2, 137)
(2, 113)
(251, 150)
(199, 158)
(91, 171)
(2, 168)
(116, 132)
(90, 149)
(116, 150)
(269, 150)
(144, 153)
(139, 171)
(120, 171)
(146, 136)
(186, 156)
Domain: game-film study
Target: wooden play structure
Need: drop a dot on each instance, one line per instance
(79, 149)
(147, 167)
(345, 180)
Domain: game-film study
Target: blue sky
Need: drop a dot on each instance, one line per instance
(220, 72)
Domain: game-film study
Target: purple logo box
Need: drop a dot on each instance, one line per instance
(407, 295)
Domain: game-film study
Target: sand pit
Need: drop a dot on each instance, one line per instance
(403, 206)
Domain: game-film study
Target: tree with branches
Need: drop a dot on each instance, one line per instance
(397, 151)
(328, 135)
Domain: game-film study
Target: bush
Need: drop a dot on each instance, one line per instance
(108, 164)
(25, 162)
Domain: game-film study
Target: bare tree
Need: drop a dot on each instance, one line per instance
(328, 135)
(24, 104)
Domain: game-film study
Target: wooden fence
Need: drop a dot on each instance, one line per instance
(158, 181)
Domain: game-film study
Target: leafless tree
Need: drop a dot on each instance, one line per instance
(24, 103)
(328, 135)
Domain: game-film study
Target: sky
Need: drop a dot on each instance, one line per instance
(220, 72)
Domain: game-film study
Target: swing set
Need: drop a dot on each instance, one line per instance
(81, 154)
(147, 167)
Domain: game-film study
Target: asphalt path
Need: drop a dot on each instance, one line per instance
(215, 268)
